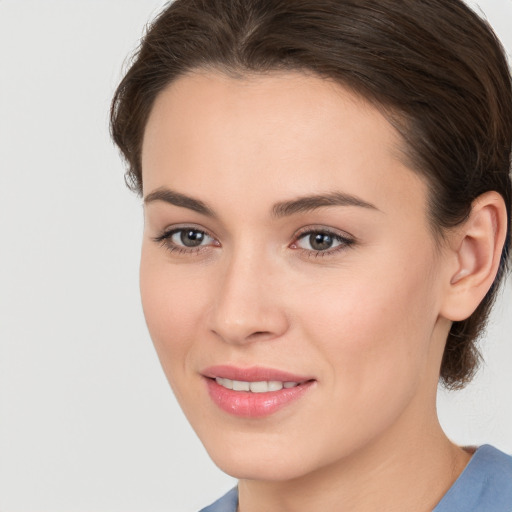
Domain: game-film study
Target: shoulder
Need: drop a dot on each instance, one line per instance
(228, 503)
(493, 458)
(485, 484)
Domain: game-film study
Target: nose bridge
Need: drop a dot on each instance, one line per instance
(245, 307)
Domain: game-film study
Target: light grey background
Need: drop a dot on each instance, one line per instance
(87, 421)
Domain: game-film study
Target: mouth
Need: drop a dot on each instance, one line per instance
(263, 386)
(254, 392)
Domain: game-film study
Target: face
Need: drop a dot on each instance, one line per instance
(289, 278)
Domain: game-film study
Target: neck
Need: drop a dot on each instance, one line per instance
(406, 470)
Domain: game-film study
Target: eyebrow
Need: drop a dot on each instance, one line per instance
(177, 199)
(282, 209)
(309, 203)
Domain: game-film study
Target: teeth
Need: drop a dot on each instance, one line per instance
(259, 387)
(275, 385)
(239, 385)
(225, 382)
(255, 387)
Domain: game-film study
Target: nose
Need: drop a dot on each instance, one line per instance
(247, 306)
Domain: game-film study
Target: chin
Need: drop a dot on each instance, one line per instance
(271, 456)
(249, 467)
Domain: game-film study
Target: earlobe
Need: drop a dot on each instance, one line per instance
(477, 251)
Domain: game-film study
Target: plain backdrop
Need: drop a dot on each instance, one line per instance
(87, 420)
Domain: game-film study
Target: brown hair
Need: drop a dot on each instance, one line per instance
(433, 66)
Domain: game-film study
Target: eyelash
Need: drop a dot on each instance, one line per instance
(165, 240)
(344, 241)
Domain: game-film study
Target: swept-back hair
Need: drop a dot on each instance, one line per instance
(434, 68)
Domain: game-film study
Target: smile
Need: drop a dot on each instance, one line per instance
(255, 387)
(254, 392)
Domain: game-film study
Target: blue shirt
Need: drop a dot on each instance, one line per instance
(485, 485)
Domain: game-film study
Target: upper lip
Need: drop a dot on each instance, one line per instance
(252, 374)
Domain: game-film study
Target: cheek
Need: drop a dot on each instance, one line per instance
(374, 328)
(171, 301)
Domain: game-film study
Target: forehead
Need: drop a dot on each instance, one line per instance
(286, 106)
(276, 136)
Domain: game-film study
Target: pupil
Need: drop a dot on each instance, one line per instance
(191, 238)
(321, 241)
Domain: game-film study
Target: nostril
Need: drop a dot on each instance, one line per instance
(239, 323)
(259, 334)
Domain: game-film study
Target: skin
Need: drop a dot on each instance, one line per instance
(367, 319)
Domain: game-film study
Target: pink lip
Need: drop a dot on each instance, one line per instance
(253, 405)
(252, 374)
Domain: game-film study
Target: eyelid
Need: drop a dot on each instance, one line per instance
(346, 240)
(164, 238)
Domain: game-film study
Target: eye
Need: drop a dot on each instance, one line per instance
(185, 239)
(321, 241)
(190, 238)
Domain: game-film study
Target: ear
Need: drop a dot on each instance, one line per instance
(475, 252)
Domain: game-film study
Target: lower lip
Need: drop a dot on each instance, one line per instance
(246, 404)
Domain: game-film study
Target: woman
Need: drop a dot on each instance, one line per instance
(327, 220)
